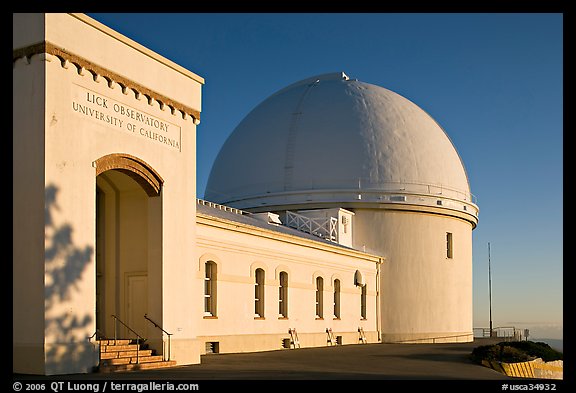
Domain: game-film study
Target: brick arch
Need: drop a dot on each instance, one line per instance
(134, 167)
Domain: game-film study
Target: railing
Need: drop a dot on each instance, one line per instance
(164, 331)
(433, 339)
(98, 335)
(507, 333)
(138, 337)
(219, 207)
(246, 191)
(321, 227)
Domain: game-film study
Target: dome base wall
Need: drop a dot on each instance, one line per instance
(427, 338)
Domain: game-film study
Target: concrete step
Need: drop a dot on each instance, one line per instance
(118, 348)
(134, 360)
(122, 341)
(121, 354)
(137, 366)
(124, 355)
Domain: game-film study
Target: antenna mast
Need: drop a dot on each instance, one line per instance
(490, 288)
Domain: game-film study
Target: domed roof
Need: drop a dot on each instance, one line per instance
(330, 138)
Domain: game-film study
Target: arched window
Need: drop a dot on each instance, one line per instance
(283, 295)
(363, 302)
(360, 282)
(319, 300)
(210, 289)
(336, 299)
(259, 294)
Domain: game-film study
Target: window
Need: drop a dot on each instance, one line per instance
(319, 301)
(363, 302)
(283, 295)
(336, 299)
(449, 245)
(345, 223)
(359, 282)
(259, 294)
(210, 289)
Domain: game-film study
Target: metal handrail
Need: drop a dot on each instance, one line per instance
(432, 338)
(96, 334)
(160, 327)
(138, 337)
(503, 332)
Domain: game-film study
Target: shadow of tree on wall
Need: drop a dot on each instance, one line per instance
(65, 263)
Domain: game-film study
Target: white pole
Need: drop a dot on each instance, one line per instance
(490, 288)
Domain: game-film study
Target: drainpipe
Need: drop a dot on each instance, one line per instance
(378, 321)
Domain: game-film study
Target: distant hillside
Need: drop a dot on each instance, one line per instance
(557, 344)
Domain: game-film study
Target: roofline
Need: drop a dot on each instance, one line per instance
(218, 222)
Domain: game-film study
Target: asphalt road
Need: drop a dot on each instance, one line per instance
(347, 362)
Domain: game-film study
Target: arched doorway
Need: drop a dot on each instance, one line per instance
(128, 246)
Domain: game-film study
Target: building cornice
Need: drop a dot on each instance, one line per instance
(97, 71)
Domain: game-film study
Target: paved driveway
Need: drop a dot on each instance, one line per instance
(347, 362)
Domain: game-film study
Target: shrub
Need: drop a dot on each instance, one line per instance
(537, 349)
(515, 351)
(485, 352)
(513, 355)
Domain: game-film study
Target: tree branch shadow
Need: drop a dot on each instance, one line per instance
(65, 263)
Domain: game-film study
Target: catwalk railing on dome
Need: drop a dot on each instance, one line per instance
(246, 191)
(325, 227)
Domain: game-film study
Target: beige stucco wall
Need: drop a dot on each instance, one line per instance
(55, 146)
(28, 214)
(425, 297)
(239, 250)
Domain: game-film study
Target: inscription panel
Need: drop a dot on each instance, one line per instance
(119, 116)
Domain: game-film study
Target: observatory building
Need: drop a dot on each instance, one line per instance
(336, 213)
(331, 142)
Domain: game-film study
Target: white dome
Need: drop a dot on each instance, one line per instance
(333, 139)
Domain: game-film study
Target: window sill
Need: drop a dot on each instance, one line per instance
(210, 317)
(282, 317)
(259, 318)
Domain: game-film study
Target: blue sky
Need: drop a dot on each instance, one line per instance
(494, 81)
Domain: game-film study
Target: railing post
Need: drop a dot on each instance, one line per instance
(163, 331)
(138, 338)
(115, 328)
(169, 346)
